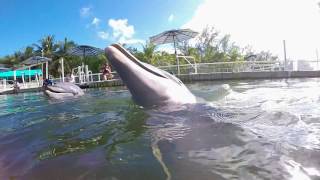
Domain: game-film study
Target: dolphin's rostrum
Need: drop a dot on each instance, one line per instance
(148, 85)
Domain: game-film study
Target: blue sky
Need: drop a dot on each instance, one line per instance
(262, 24)
(96, 23)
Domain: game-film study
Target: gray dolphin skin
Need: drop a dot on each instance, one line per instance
(148, 85)
(63, 90)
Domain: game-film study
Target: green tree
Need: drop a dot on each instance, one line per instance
(165, 59)
(206, 44)
(62, 49)
(95, 63)
(28, 52)
(148, 53)
(230, 51)
(47, 46)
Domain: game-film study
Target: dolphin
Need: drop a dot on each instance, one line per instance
(148, 85)
(63, 90)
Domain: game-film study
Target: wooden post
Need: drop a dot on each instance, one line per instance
(14, 75)
(47, 70)
(42, 70)
(29, 74)
(62, 69)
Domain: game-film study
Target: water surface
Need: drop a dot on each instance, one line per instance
(259, 129)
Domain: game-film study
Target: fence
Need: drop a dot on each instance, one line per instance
(8, 85)
(238, 66)
(220, 67)
(242, 66)
(190, 68)
(83, 78)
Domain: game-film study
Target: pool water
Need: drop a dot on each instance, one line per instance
(257, 129)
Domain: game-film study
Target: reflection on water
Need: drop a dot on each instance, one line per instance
(262, 129)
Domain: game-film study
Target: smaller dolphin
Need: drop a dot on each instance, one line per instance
(63, 90)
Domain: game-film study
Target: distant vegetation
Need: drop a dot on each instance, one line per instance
(207, 48)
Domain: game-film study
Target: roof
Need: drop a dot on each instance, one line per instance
(35, 60)
(85, 50)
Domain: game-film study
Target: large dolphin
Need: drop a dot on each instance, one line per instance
(63, 90)
(148, 85)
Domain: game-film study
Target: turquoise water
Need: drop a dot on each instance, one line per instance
(261, 129)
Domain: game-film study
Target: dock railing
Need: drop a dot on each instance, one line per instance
(237, 66)
(82, 79)
(8, 85)
(220, 67)
(191, 68)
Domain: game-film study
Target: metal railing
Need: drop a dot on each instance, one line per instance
(188, 59)
(8, 85)
(237, 66)
(82, 79)
(190, 68)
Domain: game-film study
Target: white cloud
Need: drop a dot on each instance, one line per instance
(264, 24)
(103, 35)
(85, 11)
(122, 31)
(132, 41)
(95, 21)
(121, 28)
(171, 17)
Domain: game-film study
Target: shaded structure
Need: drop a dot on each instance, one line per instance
(36, 61)
(85, 50)
(174, 36)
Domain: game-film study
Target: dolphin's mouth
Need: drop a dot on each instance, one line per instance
(55, 89)
(60, 93)
(57, 92)
(146, 67)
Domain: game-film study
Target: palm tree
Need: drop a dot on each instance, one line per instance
(47, 46)
(65, 46)
(148, 53)
(62, 52)
(28, 52)
(17, 57)
(11, 59)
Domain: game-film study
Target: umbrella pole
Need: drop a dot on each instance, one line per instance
(29, 74)
(175, 52)
(62, 68)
